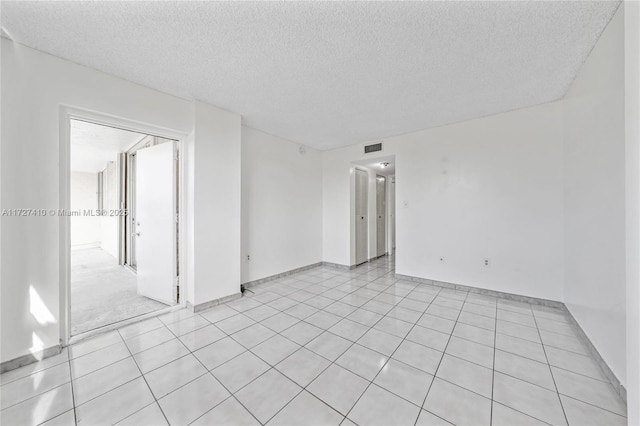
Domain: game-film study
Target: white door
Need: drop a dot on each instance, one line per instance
(381, 211)
(156, 222)
(362, 241)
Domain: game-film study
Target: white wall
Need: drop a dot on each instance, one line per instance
(216, 240)
(490, 187)
(85, 230)
(34, 86)
(281, 205)
(594, 225)
(632, 168)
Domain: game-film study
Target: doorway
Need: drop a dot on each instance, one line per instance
(123, 224)
(381, 215)
(372, 208)
(361, 212)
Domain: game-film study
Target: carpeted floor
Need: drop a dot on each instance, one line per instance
(103, 292)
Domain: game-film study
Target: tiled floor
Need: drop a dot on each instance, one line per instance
(326, 347)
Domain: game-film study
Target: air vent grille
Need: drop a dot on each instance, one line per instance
(373, 148)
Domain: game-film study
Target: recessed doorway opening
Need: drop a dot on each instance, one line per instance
(372, 209)
(123, 223)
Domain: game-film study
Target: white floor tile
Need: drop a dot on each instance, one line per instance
(380, 341)
(171, 376)
(252, 335)
(218, 353)
(429, 419)
(418, 356)
(280, 322)
(525, 369)
(175, 316)
(240, 371)
(40, 408)
(149, 339)
(18, 373)
(35, 384)
(329, 345)
(278, 353)
(458, 405)
(306, 410)
(102, 381)
(229, 412)
(428, 337)
(138, 328)
(580, 413)
(380, 407)
(323, 320)
(275, 349)
(265, 396)
(187, 325)
(94, 343)
(405, 381)
(521, 347)
(302, 366)
(202, 337)
(218, 313)
(481, 321)
(151, 415)
(236, 323)
(518, 330)
(116, 404)
(160, 355)
(338, 387)
(364, 317)
(588, 390)
(530, 399)
(575, 362)
(193, 400)
(362, 361)
(466, 374)
(475, 334)
(302, 333)
(394, 326)
(98, 359)
(506, 416)
(68, 418)
(433, 322)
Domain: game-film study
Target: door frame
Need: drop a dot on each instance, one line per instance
(355, 224)
(66, 114)
(384, 217)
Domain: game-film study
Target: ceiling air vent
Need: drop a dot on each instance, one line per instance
(375, 147)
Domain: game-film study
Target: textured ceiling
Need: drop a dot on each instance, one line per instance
(93, 145)
(328, 74)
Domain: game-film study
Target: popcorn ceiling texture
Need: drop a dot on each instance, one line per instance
(328, 74)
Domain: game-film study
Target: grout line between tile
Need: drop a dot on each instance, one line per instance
(564, 413)
(383, 275)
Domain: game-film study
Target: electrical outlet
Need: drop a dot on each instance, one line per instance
(248, 257)
(486, 262)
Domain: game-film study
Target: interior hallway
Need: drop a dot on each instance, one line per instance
(103, 292)
(326, 346)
